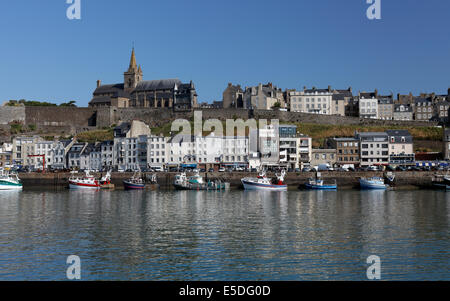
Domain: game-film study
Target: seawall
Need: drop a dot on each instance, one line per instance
(345, 180)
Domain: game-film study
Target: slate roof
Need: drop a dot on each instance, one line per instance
(162, 84)
(116, 89)
(398, 134)
(367, 95)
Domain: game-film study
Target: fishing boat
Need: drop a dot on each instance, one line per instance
(88, 181)
(262, 182)
(196, 182)
(389, 178)
(318, 183)
(134, 183)
(373, 183)
(10, 181)
(441, 182)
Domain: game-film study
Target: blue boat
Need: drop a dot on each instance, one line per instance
(134, 183)
(373, 183)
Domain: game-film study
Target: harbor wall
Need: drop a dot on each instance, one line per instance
(345, 180)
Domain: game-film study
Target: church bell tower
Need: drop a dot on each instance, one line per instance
(133, 75)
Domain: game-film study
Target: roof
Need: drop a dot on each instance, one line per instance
(368, 95)
(100, 99)
(316, 90)
(116, 89)
(400, 133)
(341, 96)
(345, 93)
(422, 100)
(161, 84)
(346, 139)
(407, 108)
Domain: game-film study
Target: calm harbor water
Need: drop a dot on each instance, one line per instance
(235, 235)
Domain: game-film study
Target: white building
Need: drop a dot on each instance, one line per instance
(157, 151)
(368, 105)
(235, 151)
(107, 154)
(401, 147)
(313, 101)
(46, 148)
(374, 148)
(60, 153)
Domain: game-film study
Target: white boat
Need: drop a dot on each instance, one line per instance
(196, 182)
(264, 183)
(10, 181)
(373, 183)
(88, 181)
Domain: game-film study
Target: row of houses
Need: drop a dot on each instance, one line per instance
(275, 146)
(342, 102)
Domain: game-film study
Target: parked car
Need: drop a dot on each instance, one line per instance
(211, 170)
(202, 170)
(222, 169)
(306, 169)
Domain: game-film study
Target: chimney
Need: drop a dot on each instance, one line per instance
(99, 83)
(230, 84)
(329, 88)
(350, 89)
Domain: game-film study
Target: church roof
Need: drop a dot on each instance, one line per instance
(116, 89)
(162, 84)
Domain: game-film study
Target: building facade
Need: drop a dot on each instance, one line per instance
(368, 105)
(347, 151)
(403, 112)
(313, 101)
(233, 97)
(323, 157)
(374, 148)
(386, 107)
(401, 147)
(446, 144)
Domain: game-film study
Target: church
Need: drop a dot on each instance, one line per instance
(134, 92)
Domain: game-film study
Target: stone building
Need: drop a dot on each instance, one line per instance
(347, 151)
(446, 143)
(135, 92)
(264, 97)
(403, 112)
(323, 157)
(23, 148)
(442, 110)
(313, 101)
(423, 109)
(342, 103)
(233, 97)
(386, 107)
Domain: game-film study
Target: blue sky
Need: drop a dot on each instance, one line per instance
(291, 43)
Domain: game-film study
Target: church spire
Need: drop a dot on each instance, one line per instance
(133, 65)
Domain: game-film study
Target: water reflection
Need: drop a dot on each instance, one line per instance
(233, 235)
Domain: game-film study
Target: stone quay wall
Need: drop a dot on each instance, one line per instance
(345, 180)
